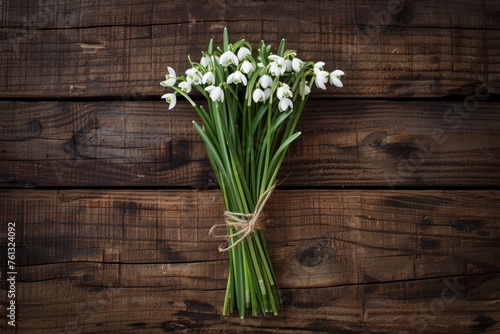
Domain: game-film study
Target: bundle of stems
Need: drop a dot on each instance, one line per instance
(253, 105)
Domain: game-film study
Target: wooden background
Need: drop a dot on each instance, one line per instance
(388, 217)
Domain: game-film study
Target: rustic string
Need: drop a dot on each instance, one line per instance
(244, 223)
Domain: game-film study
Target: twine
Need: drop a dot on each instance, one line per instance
(244, 223)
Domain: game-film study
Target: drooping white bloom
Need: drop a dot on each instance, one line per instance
(236, 78)
(216, 93)
(208, 78)
(205, 61)
(170, 78)
(284, 91)
(284, 104)
(267, 93)
(288, 65)
(297, 64)
(171, 99)
(243, 52)
(259, 95)
(193, 76)
(320, 78)
(335, 78)
(319, 66)
(228, 58)
(185, 87)
(278, 66)
(265, 81)
(306, 91)
(247, 67)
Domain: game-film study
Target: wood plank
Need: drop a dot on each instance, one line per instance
(392, 56)
(339, 233)
(86, 13)
(430, 306)
(347, 261)
(343, 143)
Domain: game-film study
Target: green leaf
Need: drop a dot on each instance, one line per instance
(283, 146)
(281, 49)
(225, 40)
(281, 119)
(210, 49)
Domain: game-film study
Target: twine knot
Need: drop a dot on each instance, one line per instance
(243, 223)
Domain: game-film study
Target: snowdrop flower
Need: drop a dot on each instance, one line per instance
(205, 61)
(228, 58)
(236, 78)
(243, 52)
(284, 104)
(265, 81)
(185, 87)
(335, 78)
(247, 67)
(278, 66)
(193, 76)
(216, 93)
(284, 92)
(306, 91)
(297, 64)
(321, 77)
(171, 99)
(288, 65)
(267, 93)
(170, 78)
(208, 78)
(259, 95)
(319, 66)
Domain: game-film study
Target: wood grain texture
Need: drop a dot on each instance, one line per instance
(344, 143)
(346, 261)
(111, 237)
(390, 48)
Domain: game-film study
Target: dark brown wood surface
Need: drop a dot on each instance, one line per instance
(387, 220)
(352, 261)
(393, 48)
(344, 143)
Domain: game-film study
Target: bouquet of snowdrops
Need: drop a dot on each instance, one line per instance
(253, 104)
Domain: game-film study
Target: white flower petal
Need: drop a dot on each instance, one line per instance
(171, 71)
(258, 95)
(320, 79)
(319, 65)
(185, 87)
(210, 88)
(335, 78)
(305, 91)
(208, 78)
(336, 82)
(216, 93)
(297, 64)
(171, 99)
(243, 52)
(205, 61)
(265, 81)
(228, 58)
(247, 67)
(284, 104)
(267, 93)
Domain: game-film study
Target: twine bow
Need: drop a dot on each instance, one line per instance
(244, 223)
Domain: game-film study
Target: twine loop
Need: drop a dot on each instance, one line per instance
(243, 223)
